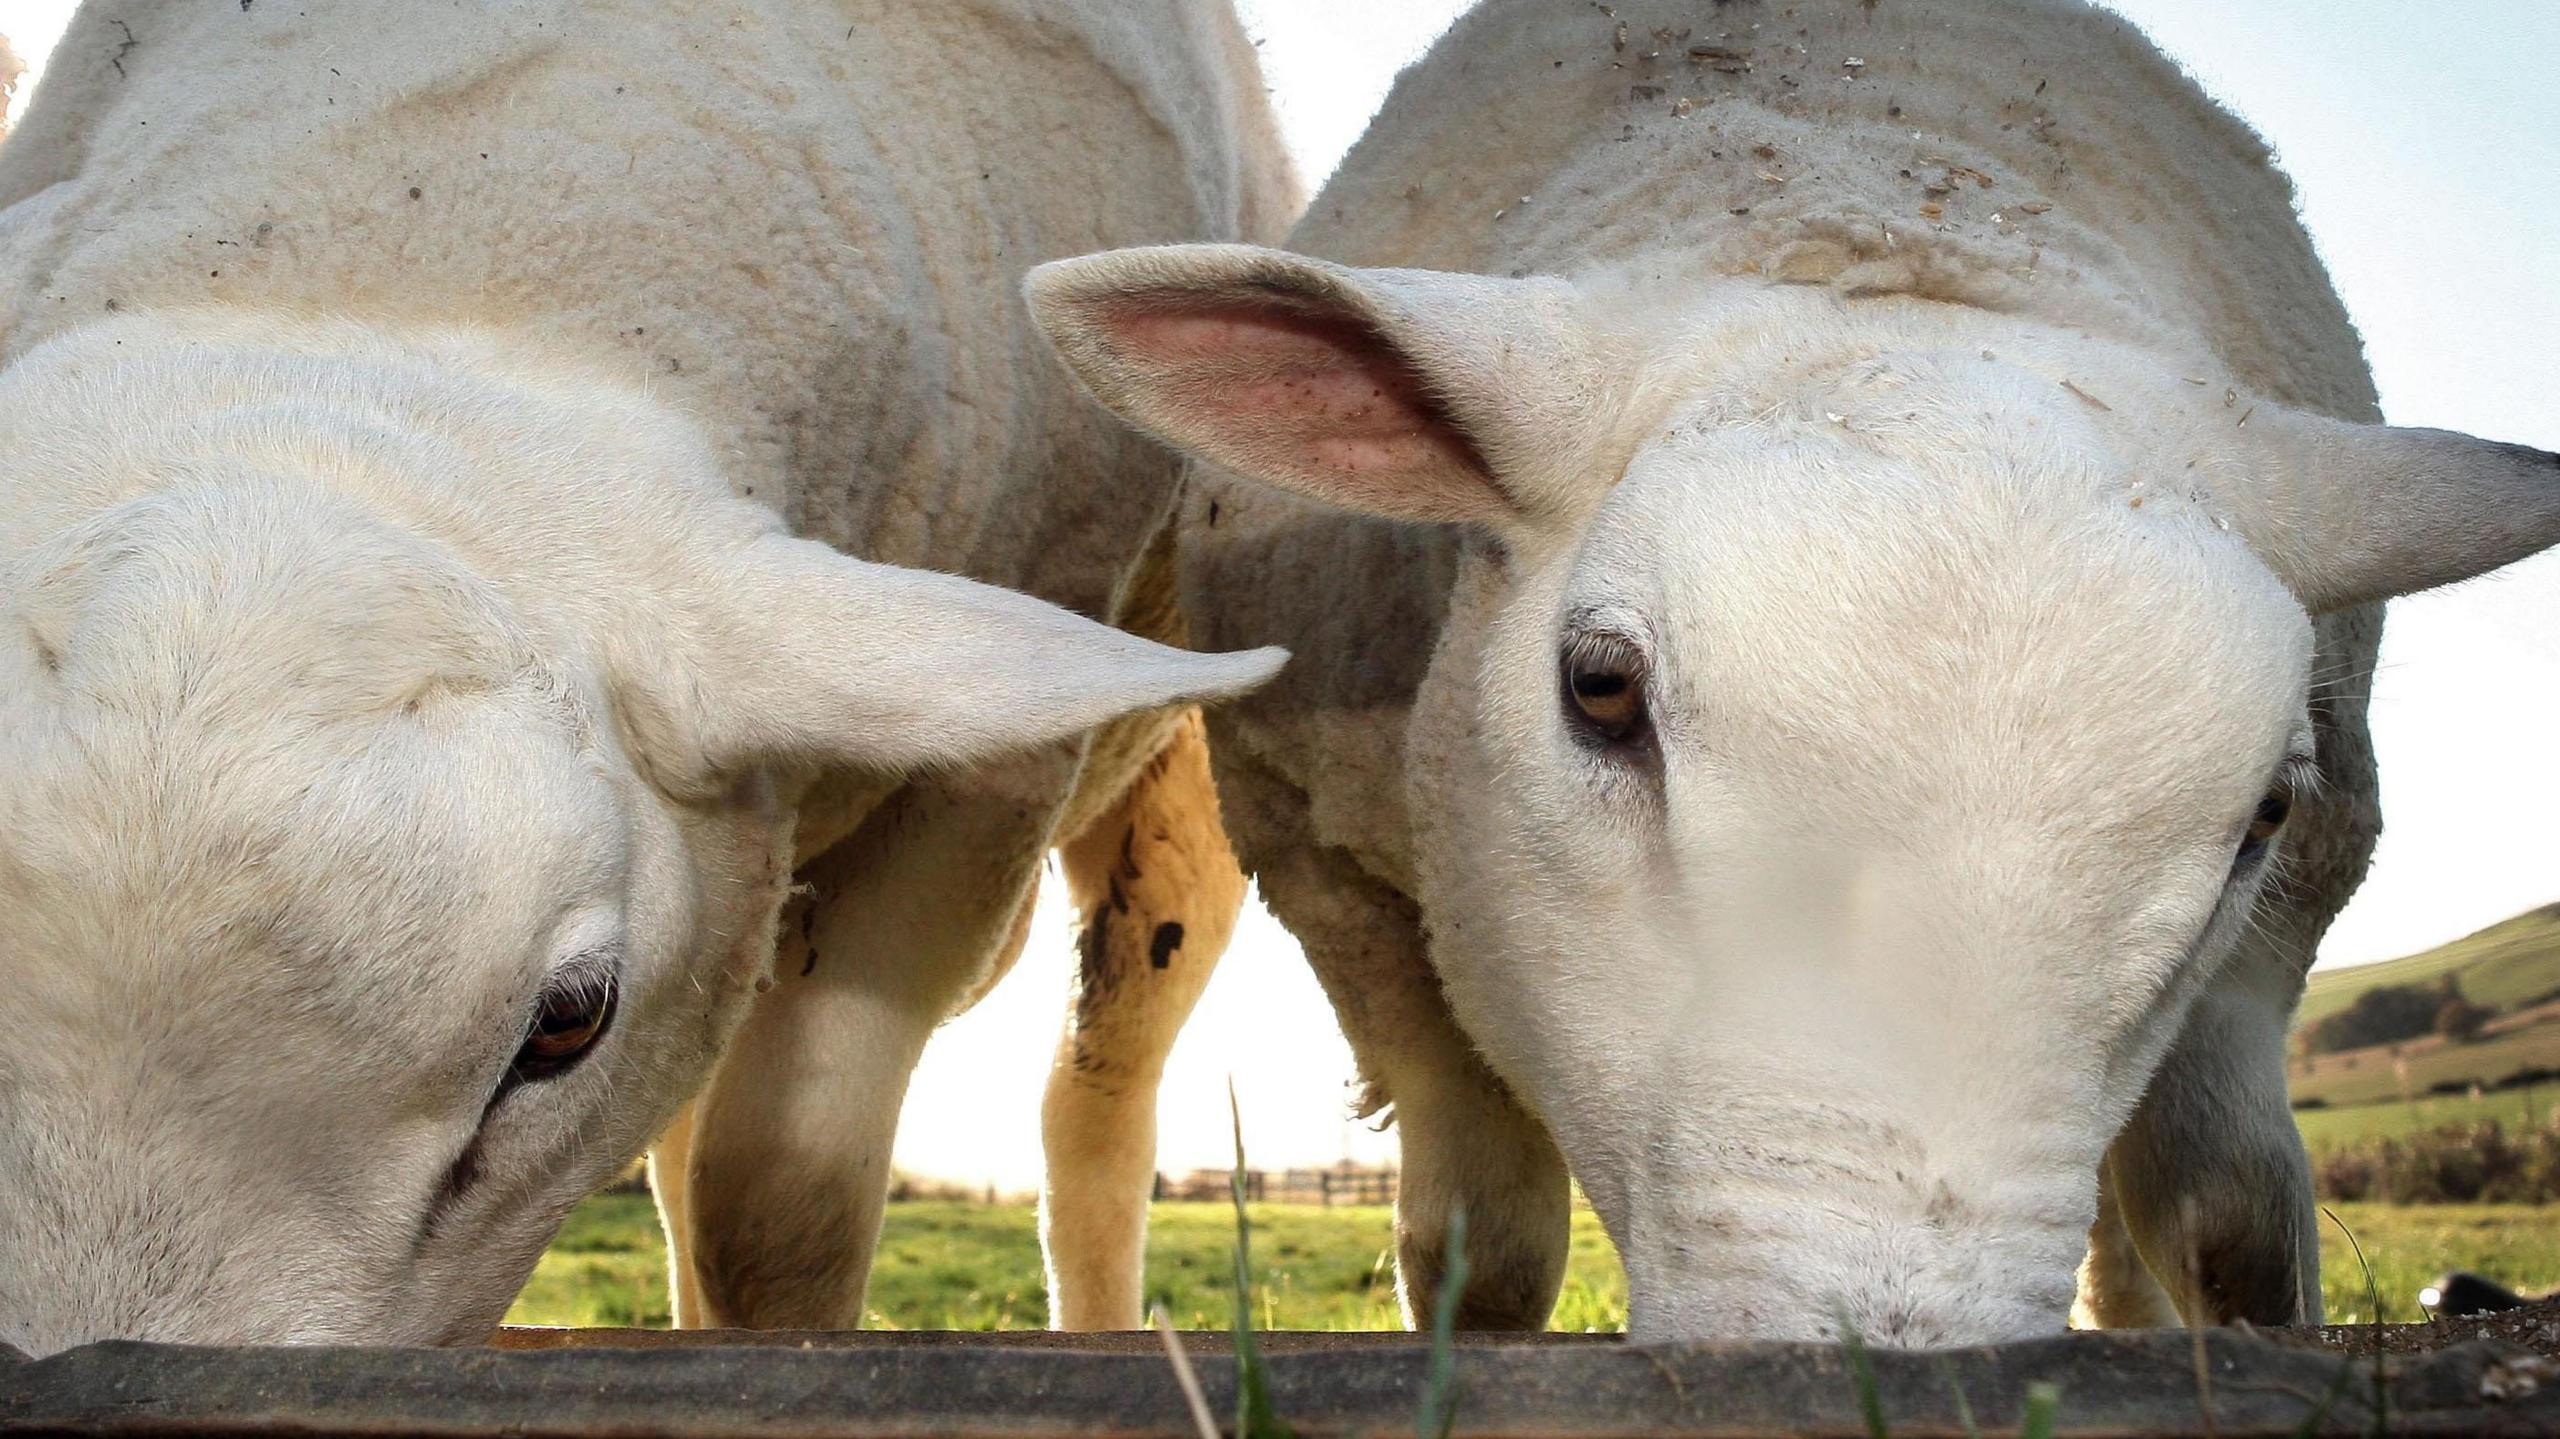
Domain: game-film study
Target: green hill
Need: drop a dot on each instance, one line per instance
(2510, 962)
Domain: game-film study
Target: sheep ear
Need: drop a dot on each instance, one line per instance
(795, 657)
(1410, 394)
(2347, 514)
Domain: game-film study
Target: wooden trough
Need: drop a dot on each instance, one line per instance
(2498, 1376)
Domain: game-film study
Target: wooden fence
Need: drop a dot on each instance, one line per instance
(1340, 1184)
(622, 1384)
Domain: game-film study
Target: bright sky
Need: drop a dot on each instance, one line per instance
(2426, 145)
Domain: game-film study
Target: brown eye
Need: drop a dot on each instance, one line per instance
(1605, 689)
(575, 1011)
(2264, 824)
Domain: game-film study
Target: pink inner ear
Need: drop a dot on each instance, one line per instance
(1321, 404)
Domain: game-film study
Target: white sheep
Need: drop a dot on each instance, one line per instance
(455, 468)
(1834, 552)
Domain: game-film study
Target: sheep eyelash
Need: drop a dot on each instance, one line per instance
(1600, 635)
(1607, 648)
(587, 976)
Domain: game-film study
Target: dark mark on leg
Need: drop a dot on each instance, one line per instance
(1168, 938)
(1092, 954)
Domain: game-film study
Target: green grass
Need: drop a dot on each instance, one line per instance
(2514, 1108)
(2370, 1093)
(2374, 1078)
(2410, 1245)
(947, 1265)
(607, 1268)
(2509, 962)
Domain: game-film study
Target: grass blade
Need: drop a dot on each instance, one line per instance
(2373, 1295)
(1255, 1418)
(1440, 1387)
(2044, 1410)
(2311, 1422)
(1192, 1396)
(1863, 1374)
(2200, 1351)
(1955, 1388)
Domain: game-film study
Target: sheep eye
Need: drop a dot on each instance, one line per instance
(2263, 825)
(575, 1011)
(1604, 686)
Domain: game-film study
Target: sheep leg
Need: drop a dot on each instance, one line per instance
(2209, 1178)
(1158, 890)
(669, 1158)
(1467, 1144)
(2116, 1287)
(792, 1139)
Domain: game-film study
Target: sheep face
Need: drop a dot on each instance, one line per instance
(403, 753)
(1847, 825)
(1859, 730)
(353, 948)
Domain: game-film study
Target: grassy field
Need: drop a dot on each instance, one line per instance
(2370, 1076)
(2504, 965)
(2513, 966)
(2409, 1245)
(949, 1265)
(2515, 1108)
(952, 1265)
